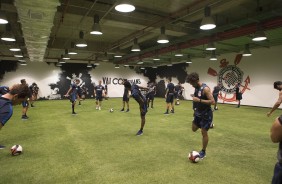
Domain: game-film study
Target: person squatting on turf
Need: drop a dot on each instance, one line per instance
(11, 96)
(169, 96)
(125, 97)
(25, 103)
(73, 93)
(277, 85)
(276, 137)
(203, 114)
(141, 100)
(150, 96)
(99, 93)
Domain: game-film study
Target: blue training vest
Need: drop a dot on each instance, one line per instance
(199, 92)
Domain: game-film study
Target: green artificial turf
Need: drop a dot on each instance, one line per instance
(101, 147)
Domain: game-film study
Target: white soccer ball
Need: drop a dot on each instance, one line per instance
(194, 156)
(212, 125)
(16, 150)
(111, 110)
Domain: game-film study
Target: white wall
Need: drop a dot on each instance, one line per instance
(114, 75)
(40, 73)
(263, 67)
(44, 74)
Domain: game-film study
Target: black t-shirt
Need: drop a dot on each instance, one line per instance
(170, 87)
(216, 90)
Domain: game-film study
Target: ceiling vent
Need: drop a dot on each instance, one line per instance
(35, 15)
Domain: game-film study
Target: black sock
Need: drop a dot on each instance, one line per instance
(72, 106)
(203, 150)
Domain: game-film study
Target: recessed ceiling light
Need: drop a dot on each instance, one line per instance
(125, 7)
(14, 49)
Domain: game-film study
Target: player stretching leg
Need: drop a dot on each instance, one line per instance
(141, 100)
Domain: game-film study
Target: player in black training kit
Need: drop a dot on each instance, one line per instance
(203, 114)
(99, 94)
(276, 135)
(141, 100)
(8, 97)
(238, 94)
(72, 93)
(79, 94)
(34, 90)
(125, 97)
(25, 103)
(151, 94)
(106, 92)
(169, 95)
(178, 93)
(215, 93)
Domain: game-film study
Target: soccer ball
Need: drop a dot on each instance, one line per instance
(16, 150)
(212, 125)
(194, 156)
(111, 110)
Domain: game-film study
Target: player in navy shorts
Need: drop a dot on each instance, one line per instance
(99, 93)
(178, 93)
(151, 94)
(25, 103)
(16, 94)
(203, 114)
(141, 100)
(169, 96)
(276, 137)
(125, 97)
(215, 93)
(72, 94)
(238, 94)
